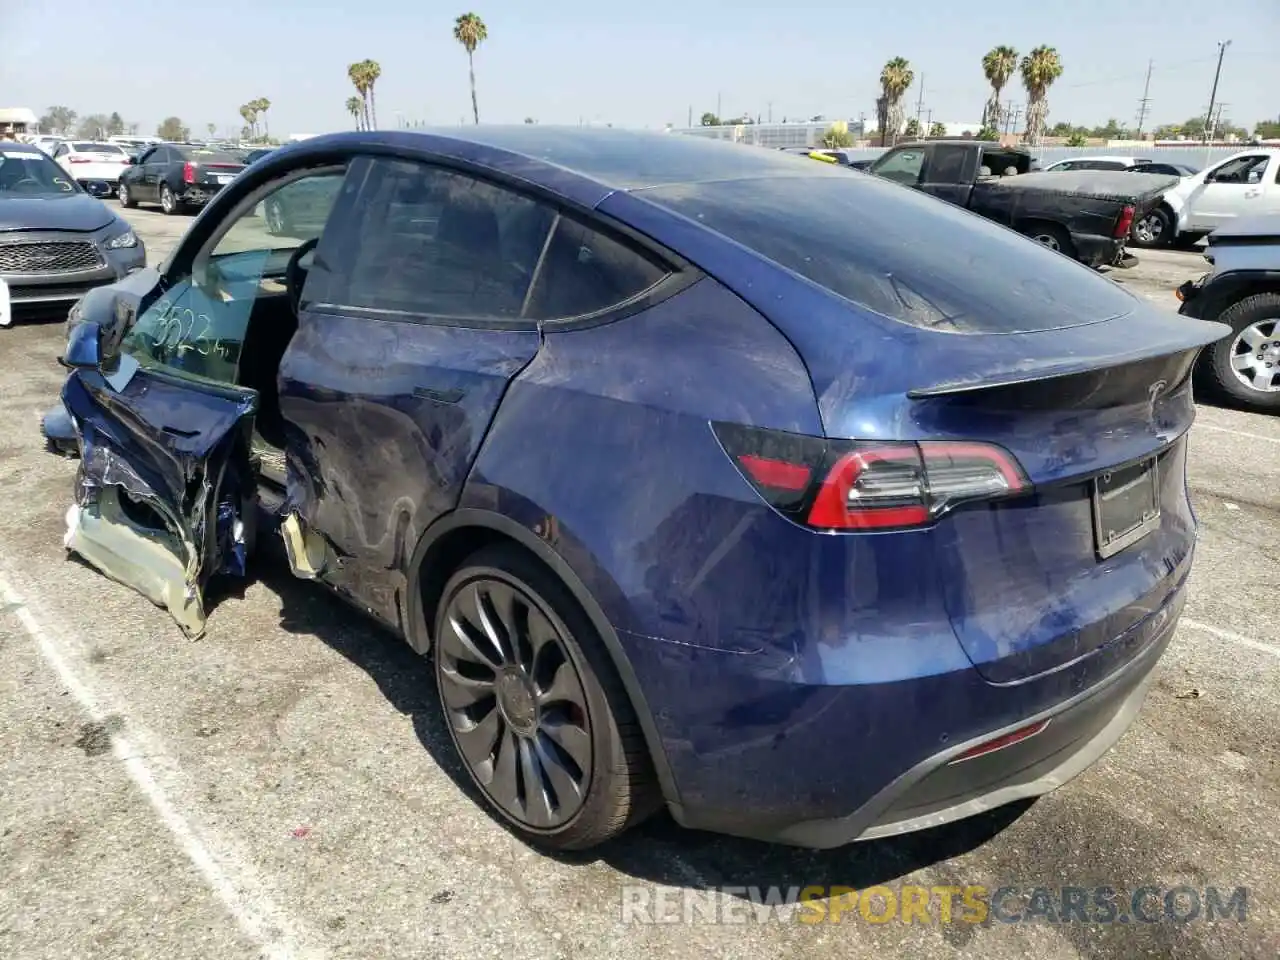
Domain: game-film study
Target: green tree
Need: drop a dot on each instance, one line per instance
(470, 31)
(93, 127)
(530, 120)
(1111, 130)
(372, 71)
(58, 120)
(115, 125)
(212, 128)
(355, 106)
(937, 129)
(710, 120)
(1077, 139)
(171, 128)
(834, 138)
(896, 78)
(1040, 68)
(998, 66)
(1061, 129)
(1267, 130)
(250, 116)
(260, 108)
(990, 134)
(912, 130)
(358, 73)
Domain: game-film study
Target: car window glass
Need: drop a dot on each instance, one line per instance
(146, 156)
(1239, 169)
(946, 164)
(429, 241)
(902, 166)
(585, 272)
(61, 151)
(31, 175)
(198, 329)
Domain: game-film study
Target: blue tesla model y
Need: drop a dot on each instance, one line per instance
(803, 504)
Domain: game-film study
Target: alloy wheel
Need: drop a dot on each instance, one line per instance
(275, 219)
(1149, 229)
(1048, 239)
(166, 199)
(1255, 356)
(515, 702)
(122, 194)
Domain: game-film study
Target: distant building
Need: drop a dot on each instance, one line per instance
(17, 120)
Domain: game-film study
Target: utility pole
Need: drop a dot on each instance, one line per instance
(1017, 112)
(719, 117)
(1008, 114)
(928, 123)
(691, 114)
(1145, 102)
(1213, 94)
(919, 104)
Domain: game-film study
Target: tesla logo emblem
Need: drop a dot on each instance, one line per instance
(1153, 393)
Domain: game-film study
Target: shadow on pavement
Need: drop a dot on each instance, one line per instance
(658, 851)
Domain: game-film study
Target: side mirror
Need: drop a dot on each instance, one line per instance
(97, 188)
(130, 161)
(83, 347)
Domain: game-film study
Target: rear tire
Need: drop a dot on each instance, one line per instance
(1255, 322)
(523, 671)
(1052, 236)
(169, 202)
(125, 197)
(1153, 230)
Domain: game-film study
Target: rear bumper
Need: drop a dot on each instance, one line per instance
(198, 194)
(936, 788)
(1096, 251)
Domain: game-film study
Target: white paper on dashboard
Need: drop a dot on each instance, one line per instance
(6, 305)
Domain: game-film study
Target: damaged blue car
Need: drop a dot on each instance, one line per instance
(806, 505)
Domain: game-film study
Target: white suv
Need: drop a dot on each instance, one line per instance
(1243, 185)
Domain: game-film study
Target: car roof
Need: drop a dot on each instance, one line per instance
(17, 146)
(584, 164)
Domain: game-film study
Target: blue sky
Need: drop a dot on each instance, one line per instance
(633, 63)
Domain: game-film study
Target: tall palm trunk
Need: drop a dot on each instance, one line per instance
(471, 68)
(364, 101)
(373, 110)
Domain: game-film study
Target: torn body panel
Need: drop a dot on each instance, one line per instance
(165, 487)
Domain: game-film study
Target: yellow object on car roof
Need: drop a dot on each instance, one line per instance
(824, 157)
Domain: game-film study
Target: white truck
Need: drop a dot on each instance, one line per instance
(1243, 185)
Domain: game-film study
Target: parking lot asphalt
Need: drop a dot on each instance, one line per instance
(284, 786)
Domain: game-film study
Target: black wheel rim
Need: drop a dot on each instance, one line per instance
(515, 703)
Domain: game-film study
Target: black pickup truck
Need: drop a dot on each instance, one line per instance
(1086, 214)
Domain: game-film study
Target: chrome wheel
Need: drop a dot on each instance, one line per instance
(1149, 229)
(1255, 356)
(1048, 239)
(515, 702)
(122, 194)
(168, 202)
(275, 218)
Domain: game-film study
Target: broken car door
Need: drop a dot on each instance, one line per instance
(412, 325)
(168, 484)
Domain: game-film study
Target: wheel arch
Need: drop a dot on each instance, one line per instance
(1230, 288)
(459, 534)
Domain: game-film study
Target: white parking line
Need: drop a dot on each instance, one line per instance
(226, 872)
(1231, 636)
(1239, 433)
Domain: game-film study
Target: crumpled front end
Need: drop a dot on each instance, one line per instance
(160, 505)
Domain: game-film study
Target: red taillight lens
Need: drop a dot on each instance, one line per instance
(80, 160)
(856, 485)
(999, 743)
(1124, 224)
(188, 172)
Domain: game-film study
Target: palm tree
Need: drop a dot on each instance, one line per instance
(1040, 68)
(895, 81)
(250, 118)
(372, 71)
(359, 76)
(260, 107)
(354, 105)
(212, 128)
(469, 30)
(998, 65)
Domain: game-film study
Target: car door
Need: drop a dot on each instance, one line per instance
(1236, 188)
(153, 170)
(168, 407)
(411, 328)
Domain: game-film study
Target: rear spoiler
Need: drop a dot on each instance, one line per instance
(1194, 336)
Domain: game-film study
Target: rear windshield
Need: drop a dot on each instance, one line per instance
(96, 148)
(205, 155)
(901, 253)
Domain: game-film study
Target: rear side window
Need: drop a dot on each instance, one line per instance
(204, 155)
(586, 272)
(430, 242)
(901, 253)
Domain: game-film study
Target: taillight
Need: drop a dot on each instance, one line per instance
(80, 160)
(188, 172)
(1124, 224)
(868, 485)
